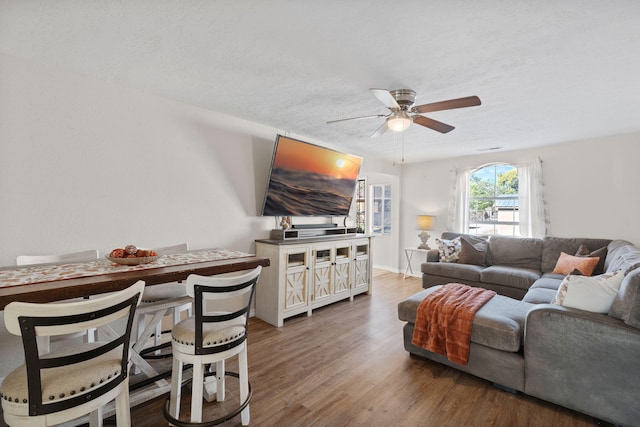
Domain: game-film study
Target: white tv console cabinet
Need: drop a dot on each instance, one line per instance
(309, 273)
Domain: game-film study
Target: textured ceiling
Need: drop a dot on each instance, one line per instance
(546, 71)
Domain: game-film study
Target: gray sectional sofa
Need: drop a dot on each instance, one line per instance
(586, 361)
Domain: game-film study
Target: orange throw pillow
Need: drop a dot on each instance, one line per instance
(567, 263)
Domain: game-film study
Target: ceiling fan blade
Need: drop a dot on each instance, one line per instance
(469, 101)
(386, 98)
(382, 129)
(432, 124)
(356, 118)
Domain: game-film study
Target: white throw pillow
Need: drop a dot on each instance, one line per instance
(594, 293)
(449, 249)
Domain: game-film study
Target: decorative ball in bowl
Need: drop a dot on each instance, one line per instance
(130, 255)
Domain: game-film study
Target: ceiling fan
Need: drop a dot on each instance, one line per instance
(403, 112)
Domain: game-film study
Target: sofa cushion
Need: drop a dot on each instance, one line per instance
(568, 263)
(552, 246)
(622, 255)
(515, 252)
(626, 305)
(453, 270)
(473, 252)
(521, 278)
(449, 249)
(408, 308)
(549, 281)
(544, 290)
(498, 324)
(595, 294)
(540, 296)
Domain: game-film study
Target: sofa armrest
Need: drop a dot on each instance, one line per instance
(585, 361)
(433, 255)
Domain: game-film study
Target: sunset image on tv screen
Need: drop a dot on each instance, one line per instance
(307, 179)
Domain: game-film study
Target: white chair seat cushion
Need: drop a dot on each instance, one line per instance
(163, 292)
(214, 334)
(64, 382)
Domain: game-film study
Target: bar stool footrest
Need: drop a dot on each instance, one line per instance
(179, 423)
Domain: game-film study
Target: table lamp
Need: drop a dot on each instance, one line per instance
(424, 223)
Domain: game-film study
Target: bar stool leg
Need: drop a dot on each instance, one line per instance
(123, 409)
(197, 386)
(176, 388)
(243, 373)
(220, 381)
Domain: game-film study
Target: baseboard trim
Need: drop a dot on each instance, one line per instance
(386, 268)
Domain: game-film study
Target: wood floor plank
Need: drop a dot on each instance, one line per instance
(346, 366)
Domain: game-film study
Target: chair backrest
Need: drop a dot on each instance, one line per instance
(83, 256)
(230, 297)
(165, 250)
(31, 320)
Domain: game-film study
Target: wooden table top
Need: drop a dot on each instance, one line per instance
(61, 289)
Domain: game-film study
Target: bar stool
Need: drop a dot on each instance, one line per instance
(78, 380)
(159, 301)
(217, 332)
(74, 257)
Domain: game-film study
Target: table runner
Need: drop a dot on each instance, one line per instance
(53, 272)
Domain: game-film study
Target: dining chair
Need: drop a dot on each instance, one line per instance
(216, 332)
(74, 257)
(77, 380)
(159, 301)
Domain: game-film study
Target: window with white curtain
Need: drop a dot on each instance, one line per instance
(499, 199)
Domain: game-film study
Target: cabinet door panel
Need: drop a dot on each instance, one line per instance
(296, 288)
(342, 278)
(322, 282)
(362, 273)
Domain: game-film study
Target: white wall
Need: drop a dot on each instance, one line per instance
(591, 188)
(86, 164)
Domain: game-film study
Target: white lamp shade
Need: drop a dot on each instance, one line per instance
(424, 222)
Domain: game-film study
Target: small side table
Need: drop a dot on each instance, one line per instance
(408, 253)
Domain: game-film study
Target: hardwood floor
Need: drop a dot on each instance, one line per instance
(346, 366)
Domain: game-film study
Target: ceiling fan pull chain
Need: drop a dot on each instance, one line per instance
(394, 149)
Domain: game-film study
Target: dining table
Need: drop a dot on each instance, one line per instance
(56, 282)
(45, 283)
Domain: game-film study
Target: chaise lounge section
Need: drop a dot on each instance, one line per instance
(583, 360)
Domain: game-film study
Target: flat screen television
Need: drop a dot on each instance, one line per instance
(309, 180)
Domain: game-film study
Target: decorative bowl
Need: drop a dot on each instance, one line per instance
(132, 261)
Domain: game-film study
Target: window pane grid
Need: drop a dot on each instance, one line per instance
(493, 201)
(381, 209)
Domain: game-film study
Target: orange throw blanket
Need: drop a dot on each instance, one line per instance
(444, 320)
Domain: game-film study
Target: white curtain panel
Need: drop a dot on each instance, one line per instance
(458, 220)
(532, 205)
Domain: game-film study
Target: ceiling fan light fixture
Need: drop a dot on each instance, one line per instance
(399, 121)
